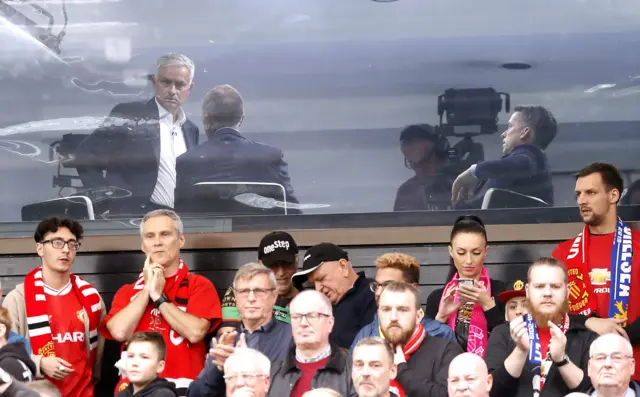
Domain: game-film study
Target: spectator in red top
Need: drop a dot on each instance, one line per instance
(167, 298)
(604, 273)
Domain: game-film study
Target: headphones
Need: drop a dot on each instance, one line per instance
(441, 145)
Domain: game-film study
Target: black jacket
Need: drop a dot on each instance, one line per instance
(501, 345)
(335, 375)
(494, 316)
(127, 146)
(525, 170)
(228, 156)
(426, 372)
(356, 309)
(159, 387)
(15, 361)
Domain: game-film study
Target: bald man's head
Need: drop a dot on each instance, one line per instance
(469, 377)
(607, 341)
(576, 394)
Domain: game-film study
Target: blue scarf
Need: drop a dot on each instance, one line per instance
(620, 271)
(540, 370)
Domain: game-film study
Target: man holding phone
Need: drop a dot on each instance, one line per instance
(167, 298)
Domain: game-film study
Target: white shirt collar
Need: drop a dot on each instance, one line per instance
(164, 114)
(57, 292)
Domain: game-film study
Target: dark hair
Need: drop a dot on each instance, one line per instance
(611, 177)
(541, 121)
(465, 224)
(51, 225)
(155, 338)
(377, 341)
(551, 262)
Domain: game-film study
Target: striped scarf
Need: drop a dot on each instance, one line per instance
(42, 342)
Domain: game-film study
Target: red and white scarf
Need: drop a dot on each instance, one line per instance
(478, 333)
(42, 342)
(408, 349)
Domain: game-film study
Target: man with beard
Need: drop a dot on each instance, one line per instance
(469, 377)
(312, 361)
(547, 350)
(610, 367)
(602, 268)
(373, 367)
(279, 252)
(422, 360)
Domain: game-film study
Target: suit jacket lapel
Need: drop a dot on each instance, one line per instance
(190, 135)
(152, 130)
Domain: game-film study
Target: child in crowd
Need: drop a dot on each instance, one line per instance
(144, 362)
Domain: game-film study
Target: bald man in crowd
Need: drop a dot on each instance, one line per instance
(227, 155)
(611, 365)
(469, 377)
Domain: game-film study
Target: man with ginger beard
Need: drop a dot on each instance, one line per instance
(611, 365)
(545, 352)
(422, 360)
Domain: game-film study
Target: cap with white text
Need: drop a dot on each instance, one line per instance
(277, 247)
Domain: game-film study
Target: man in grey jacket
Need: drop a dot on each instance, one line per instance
(313, 362)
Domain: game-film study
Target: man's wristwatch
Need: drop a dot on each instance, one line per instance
(162, 299)
(565, 360)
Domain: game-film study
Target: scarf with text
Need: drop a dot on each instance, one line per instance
(540, 367)
(39, 328)
(582, 298)
(408, 349)
(478, 333)
(152, 320)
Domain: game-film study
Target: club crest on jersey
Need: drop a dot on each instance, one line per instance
(123, 386)
(80, 315)
(47, 350)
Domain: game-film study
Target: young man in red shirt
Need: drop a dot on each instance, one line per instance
(604, 273)
(167, 298)
(60, 312)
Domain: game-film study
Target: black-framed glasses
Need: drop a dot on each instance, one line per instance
(59, 243)
(312, 317)
(259, 293)
(374, 285)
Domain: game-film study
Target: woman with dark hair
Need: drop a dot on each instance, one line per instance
(469, 302)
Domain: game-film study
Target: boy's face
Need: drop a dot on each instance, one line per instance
(143, 363)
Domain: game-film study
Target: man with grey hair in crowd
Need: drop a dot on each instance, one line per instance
(373, 367)
(611, 366)
(255, 291)
(228, 156)
(137, 145)
(167, 298)
(246, 373)
(313, 361)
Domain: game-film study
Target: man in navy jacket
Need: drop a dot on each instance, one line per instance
(227, 156)
(523, 168)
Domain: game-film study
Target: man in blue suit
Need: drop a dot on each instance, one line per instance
(139, 142)
(227, 156)
(522, 169)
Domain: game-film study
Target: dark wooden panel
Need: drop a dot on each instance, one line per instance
(109, 271)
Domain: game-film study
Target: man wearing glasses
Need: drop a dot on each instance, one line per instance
(255, 292)
(313, 361)
(611, 365)
(60, 312)
(247, 373)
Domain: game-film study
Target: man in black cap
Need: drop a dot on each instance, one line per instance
(327, 267)
(279, 252)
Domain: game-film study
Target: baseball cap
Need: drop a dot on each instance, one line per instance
(315, 257)
(514, 289)
(276, 247)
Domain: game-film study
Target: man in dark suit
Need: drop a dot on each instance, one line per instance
(524, 167)
(139, 142)
(227, 156)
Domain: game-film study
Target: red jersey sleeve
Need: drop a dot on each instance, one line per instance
(204, 301)
(561, 250)
(120, 301)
